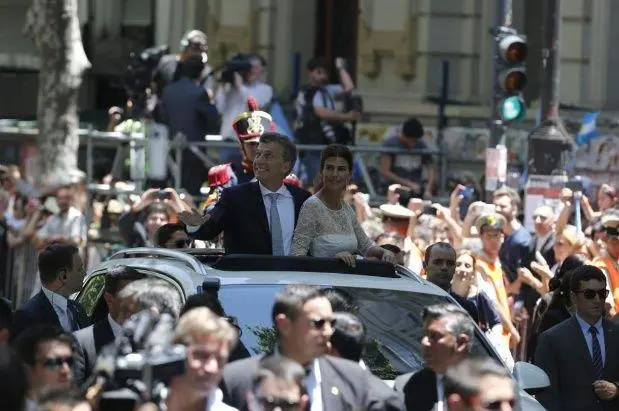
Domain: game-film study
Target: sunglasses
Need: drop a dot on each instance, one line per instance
(497, 405)
(590, 294)
(278, 403)
(320, 324)
(55, 363)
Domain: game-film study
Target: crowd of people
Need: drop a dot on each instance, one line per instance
(549, 295)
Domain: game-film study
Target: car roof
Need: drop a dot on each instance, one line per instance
(192, 267)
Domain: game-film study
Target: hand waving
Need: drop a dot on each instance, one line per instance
(193, 218)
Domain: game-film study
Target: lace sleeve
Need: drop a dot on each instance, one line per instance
(306, 229)
(363, 241)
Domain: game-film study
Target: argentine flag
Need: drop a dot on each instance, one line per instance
(588, 129)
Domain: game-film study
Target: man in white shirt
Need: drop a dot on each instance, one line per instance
(303, 319)
(61, 271)
(257, 217)
(92, 339)
(448, 336)
(209, 340)
(66, 226)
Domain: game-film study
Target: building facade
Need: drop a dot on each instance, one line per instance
(396, 46)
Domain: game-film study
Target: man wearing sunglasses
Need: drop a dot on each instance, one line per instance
(581, 354)
(303, 319)
(479, 385)
(278, 385)
(47, 354)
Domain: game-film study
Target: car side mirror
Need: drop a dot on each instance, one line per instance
(530, 377)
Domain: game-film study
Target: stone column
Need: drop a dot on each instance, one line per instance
(599, 44)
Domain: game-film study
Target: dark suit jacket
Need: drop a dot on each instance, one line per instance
(563, 353)
(38, 310)
(529, 295)
(418, 389)
(345, 385)
(187, 109)
(240, 213)
(89, 342)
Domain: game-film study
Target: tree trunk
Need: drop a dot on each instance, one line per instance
(54, 27)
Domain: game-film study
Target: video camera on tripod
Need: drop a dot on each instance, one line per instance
(139, 71)
(138, 367)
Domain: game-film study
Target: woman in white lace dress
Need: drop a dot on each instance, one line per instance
(327, 225)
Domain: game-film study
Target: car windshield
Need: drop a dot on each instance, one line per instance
(393, 321)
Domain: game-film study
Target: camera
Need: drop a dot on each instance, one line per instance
(575, 185)
(239, 63)
(139, 365)
(139, 71)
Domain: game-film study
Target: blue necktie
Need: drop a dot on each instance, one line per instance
(277, 238)
(596, 353)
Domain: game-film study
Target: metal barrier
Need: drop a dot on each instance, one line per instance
(137, 143)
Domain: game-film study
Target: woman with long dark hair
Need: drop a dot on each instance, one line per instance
(327, 225)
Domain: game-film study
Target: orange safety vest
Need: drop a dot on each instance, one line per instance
(611, 267)
(495, 272)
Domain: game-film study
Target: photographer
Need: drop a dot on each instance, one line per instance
(241, 77)
(155, 208)
(318, 121)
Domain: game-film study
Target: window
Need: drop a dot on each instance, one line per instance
(392, 320)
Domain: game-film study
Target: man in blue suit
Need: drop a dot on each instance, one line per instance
(187, 109)
(257, 217)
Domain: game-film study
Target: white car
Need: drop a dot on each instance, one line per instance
(388, 299)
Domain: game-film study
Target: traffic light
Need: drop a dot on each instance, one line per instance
(512, 76)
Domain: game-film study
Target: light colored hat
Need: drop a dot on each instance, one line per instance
(395, 211)
(610, 223)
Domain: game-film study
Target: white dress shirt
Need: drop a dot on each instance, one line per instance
(440, 393)
(313, 385)
(584, 326)
(285, 208)
(215, 402)
(60, 305)
(117, 329)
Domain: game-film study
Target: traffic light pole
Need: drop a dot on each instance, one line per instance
(549, 144)
(503, 19)
(549, 94)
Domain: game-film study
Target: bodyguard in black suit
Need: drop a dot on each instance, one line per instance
(581, 354)
(259, 217)
(303, 320)
(441, 348)
(90, 340)
(61, 270)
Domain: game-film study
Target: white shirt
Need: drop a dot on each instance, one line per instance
(440, 393)
(285, 208)
(60, 304)
(231, 102)
(541, 241)
(72, 224)
(313, 385)
(117, 329)
(215, 402)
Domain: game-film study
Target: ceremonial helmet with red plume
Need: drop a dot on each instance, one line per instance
(250, 125)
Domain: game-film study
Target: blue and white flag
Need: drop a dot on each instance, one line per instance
(588, 129)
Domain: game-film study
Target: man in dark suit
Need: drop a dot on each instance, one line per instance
(61, 271)
(542, 242)
(303, 320)
(259, 217)
(90, 340)
(187, 109)
(448, 334)
(581, 354)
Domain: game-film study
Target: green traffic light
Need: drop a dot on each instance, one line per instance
(512, 108)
